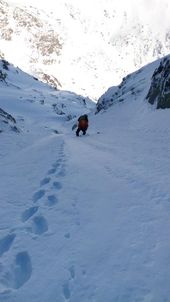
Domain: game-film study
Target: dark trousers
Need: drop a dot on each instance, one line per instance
(80, 129)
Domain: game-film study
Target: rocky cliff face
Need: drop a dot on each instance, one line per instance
(18, 26)
(159, 92)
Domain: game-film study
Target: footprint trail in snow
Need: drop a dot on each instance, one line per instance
(33, 222)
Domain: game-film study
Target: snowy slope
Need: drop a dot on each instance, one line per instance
(85, 219)
(28, 89)
(84, 46)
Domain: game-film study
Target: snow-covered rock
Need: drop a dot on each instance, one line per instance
(7, 122)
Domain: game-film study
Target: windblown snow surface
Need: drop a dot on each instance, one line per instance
(85, 218)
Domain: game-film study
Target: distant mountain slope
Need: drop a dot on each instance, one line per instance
(83, 47)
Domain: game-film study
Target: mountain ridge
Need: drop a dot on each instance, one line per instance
(154, 79)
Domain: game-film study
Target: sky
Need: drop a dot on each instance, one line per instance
(84, 218)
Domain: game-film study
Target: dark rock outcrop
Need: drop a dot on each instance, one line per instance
(159, 92)
(7, 122)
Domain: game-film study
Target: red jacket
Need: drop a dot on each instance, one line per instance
(83, 124)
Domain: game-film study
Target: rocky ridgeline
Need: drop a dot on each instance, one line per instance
(131, 87)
